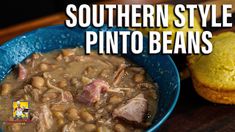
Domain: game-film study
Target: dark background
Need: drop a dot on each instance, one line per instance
(17, 11)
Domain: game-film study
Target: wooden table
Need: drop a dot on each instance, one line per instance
(192, 113)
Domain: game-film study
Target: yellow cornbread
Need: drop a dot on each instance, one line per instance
(214, 74)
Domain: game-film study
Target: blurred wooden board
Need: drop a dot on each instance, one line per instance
(192, 113)
(11, 32)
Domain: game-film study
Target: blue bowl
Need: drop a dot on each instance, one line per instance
(160, 67)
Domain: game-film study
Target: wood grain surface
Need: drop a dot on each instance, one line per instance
(192, 113)
(13, 31)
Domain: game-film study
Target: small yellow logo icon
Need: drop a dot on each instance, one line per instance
(20, 110)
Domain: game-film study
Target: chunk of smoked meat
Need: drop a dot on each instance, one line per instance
(22, 72)
(134, 110)
(91, 92)
(44, 119)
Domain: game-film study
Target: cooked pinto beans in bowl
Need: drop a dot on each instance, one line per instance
(71, 92)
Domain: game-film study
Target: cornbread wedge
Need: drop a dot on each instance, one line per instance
(213, 75)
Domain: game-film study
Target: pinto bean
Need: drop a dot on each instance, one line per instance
(137, 70)
(68, 52)
(119, 128)
(115, 100)
(37, 82)
(103, 129)
(58, 115)
(43, 67)
(86, 116)
(62, 83)
(72, 114)
(139, 78)
(6, 89)
(49, 96)
(60, 122)
(59, 107)
(89, 127)
(35, 56)
(80, 123)
(60, 118)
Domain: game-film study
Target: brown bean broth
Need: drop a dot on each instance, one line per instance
(81, 69)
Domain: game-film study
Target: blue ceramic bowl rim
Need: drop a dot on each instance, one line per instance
(153, 127)
(157, 125)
